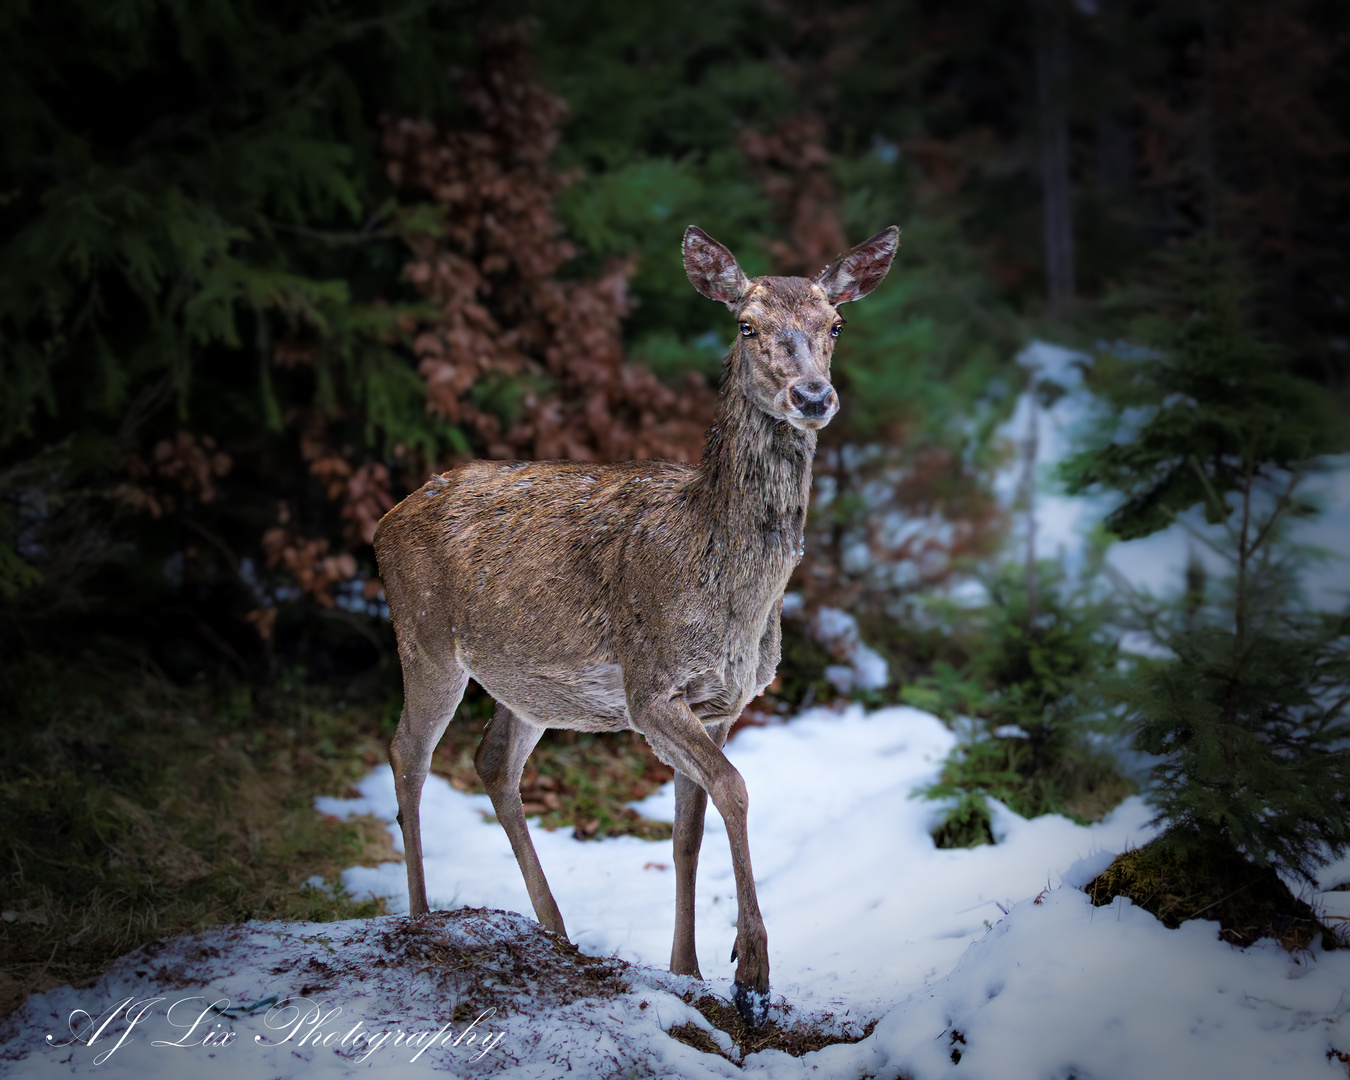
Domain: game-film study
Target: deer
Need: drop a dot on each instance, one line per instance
(638, 595)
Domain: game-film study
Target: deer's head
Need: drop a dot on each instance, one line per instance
(788, 325)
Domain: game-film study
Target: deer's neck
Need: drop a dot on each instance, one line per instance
(754, 482)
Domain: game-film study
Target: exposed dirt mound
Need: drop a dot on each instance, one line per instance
(475, 958)
(795, 1039)
(468, 955)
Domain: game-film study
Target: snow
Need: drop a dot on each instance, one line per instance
(991, 952)
(863, 668)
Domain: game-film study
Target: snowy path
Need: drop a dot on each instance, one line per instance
(865, 917)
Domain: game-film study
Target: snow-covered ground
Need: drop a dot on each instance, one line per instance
(992, 955)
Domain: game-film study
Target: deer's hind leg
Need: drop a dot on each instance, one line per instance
(500, 761)
(431, 694)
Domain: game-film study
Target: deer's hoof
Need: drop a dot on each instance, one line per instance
(752, 1004)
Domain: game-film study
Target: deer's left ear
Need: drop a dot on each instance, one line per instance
(859, 270)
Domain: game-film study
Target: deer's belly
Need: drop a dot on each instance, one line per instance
(593, 698)
(582, 699)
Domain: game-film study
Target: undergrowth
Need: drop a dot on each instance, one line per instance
(1021, 693)
(133, 809)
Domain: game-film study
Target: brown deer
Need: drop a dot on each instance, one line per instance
(642, 595)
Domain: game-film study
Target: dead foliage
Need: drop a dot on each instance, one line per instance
(793, 165)
(1248, 902)
(797, 1039)
(184, 467)
(530, 363)
(363, 490)
(308, 562)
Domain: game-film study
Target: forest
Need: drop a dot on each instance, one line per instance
(265, 268)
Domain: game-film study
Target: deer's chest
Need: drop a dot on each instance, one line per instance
(724, 668)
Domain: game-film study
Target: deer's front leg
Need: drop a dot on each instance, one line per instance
(680, 740)
(691, 802)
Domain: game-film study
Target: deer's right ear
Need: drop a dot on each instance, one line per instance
(712, 269)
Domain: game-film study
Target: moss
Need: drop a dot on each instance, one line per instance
(968, 823)
(1248, 902)
(1081, 782)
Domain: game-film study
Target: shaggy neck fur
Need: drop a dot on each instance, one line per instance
(755, 475)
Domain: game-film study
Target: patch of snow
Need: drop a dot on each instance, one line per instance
(1060, 988)
(863, 668)
(1054, 363)
(871, 669)
(840, 676)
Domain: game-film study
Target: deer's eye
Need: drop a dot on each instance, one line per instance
(836, 329)
(747, 330)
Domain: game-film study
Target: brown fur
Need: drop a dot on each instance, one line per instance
(644, 594)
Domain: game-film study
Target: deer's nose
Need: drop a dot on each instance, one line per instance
(812, 397)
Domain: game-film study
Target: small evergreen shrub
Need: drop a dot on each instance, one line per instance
(1249, 708)
(1026, 705)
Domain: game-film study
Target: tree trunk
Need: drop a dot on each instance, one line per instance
(1052, 70)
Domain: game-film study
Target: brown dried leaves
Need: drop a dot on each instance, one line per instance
(186, 465)
(504, 318)
(793, 164)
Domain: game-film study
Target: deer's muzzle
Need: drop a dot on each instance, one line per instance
(814, 402)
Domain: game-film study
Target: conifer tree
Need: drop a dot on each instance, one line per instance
(1250, 713)
(199, 313)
